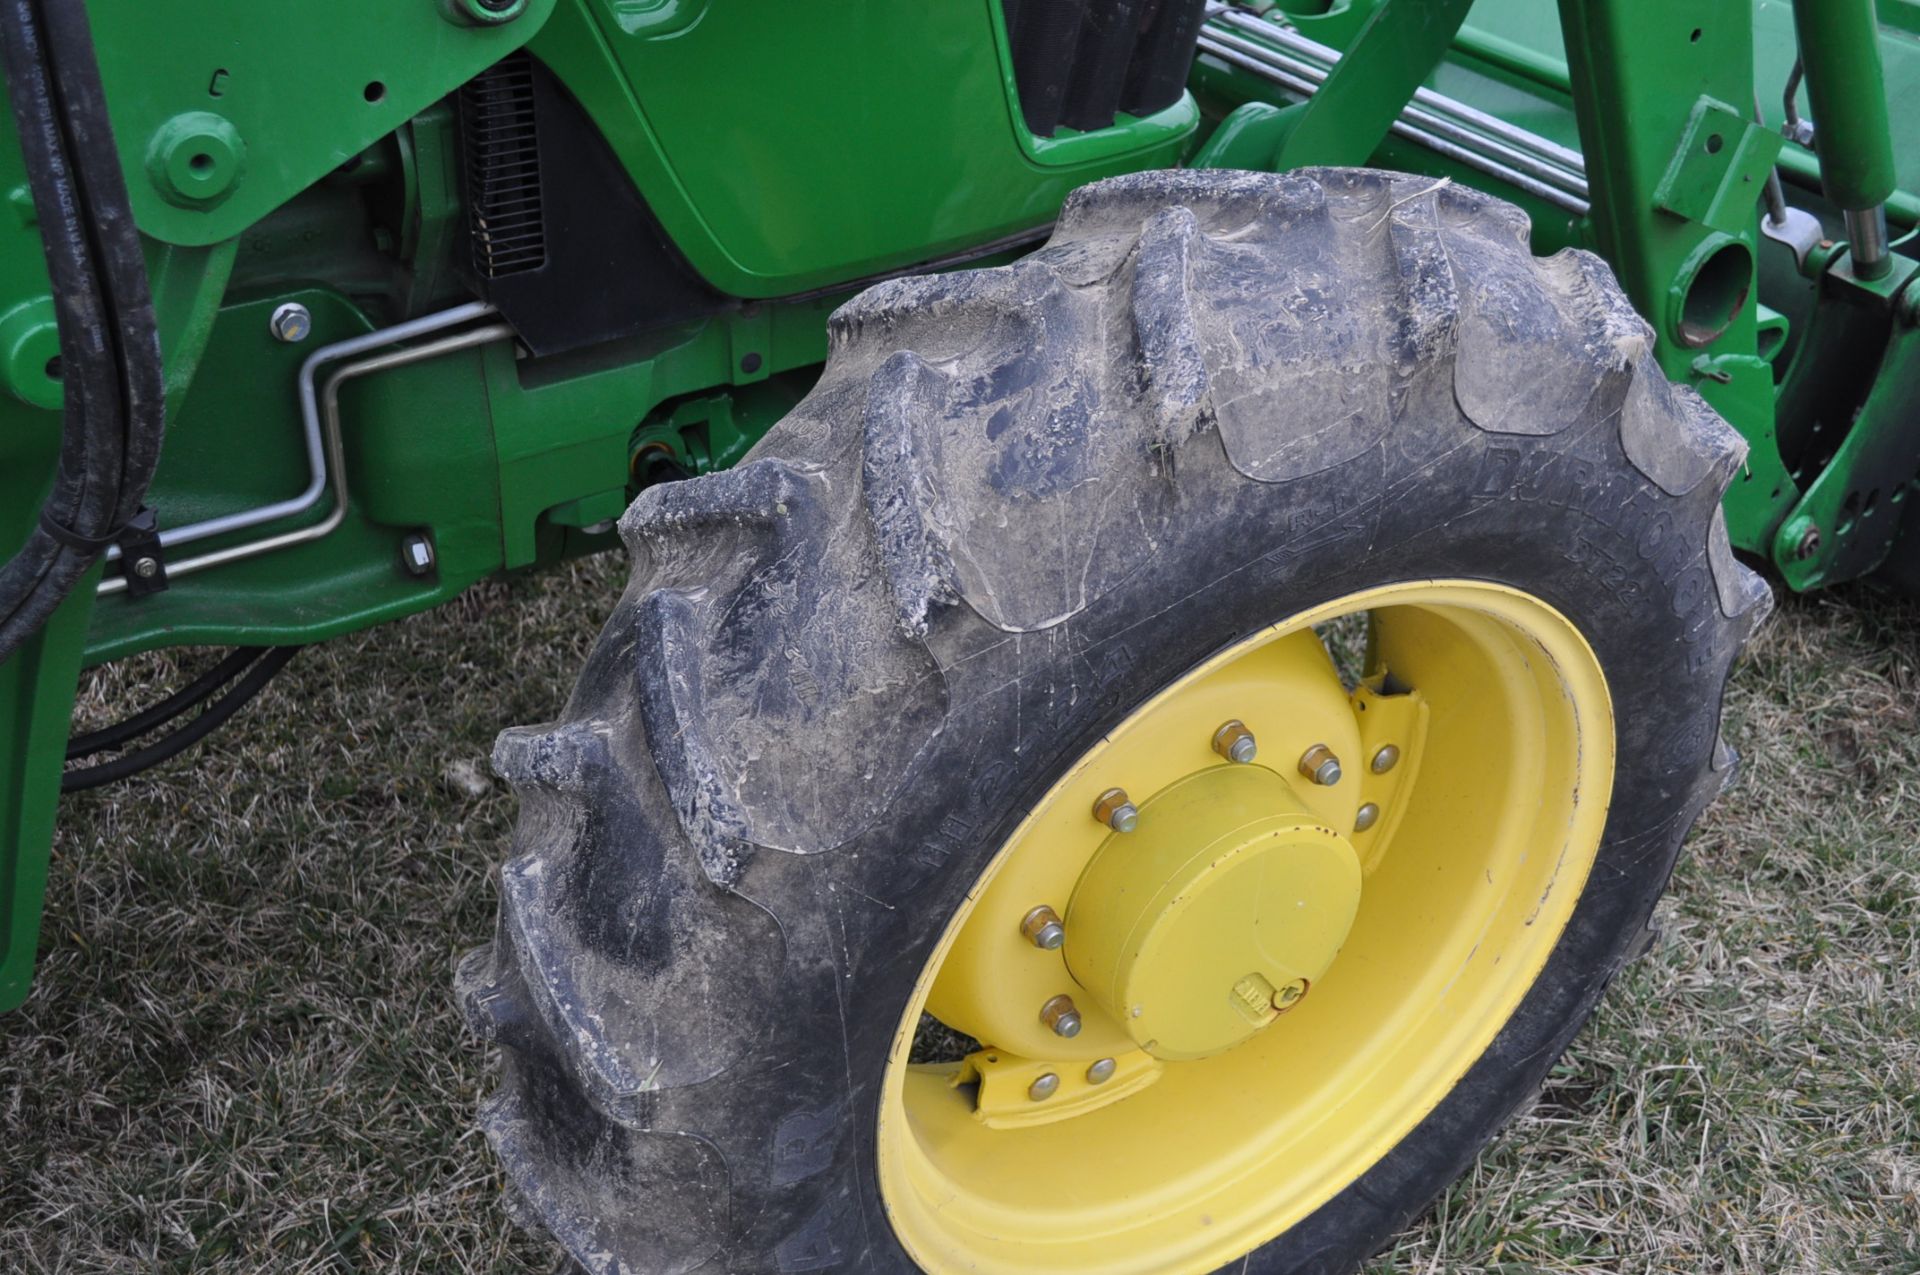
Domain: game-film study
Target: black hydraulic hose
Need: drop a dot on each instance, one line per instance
(44, 569)
(109, 350)
(120, 732)
(192, 733)
(118, 255)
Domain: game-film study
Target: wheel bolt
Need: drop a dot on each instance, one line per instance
(1365, 817)
(1292, 994)
(1234, 742)
(1116, 810)
(1061, 1017)
(1320, 765)
(1043, 1087)
(1042, 928)
(1385, 759)
(1099, 1073)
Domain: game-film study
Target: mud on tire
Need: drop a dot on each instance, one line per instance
(1019, 502)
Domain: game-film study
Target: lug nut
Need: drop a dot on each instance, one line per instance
(1234, 742)
(1116, 810)
(1041, 927)
(1320, 765)
(290, 322)
(1061, 1017)
(1292, 994)
(1099, 1073)
(1385, 759)
(1365, 817)
(1043, 1087)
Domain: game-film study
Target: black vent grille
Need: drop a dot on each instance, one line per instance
(1079, 63)
(503, 169)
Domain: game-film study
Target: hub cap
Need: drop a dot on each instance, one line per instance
(1200, 928)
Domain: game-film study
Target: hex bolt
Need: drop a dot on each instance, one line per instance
(1292, 994)
(1320, 765)
(1116, 810)
(1043, 1087)
(1101, 1071)
(1061, 1018)
(146, 568)
(196, 159)
(1385, 759)
(416, 555)
(485, 13)
(291, 322)
(1234, 742)
(1041, 927)
(1365, 817)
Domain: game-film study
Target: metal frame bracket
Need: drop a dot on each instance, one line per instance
(1719, 169)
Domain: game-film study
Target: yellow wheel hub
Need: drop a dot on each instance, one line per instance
(1214, 915)
(1331, 895)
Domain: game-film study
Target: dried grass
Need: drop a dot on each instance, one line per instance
(242, 1054)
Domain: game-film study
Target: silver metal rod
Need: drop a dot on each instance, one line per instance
(1481, 134)
(1435, 113)
(1774, 194)
(327, 411)
(1796, 129)
(310, 425)
(1492, 125)
(1573, 182)
(1527, 167)
(1867, 240)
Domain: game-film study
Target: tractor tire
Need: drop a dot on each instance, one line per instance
(1019, 504)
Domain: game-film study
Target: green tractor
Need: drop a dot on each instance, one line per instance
(1184, 555)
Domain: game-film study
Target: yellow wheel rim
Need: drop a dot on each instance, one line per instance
(1268, 981)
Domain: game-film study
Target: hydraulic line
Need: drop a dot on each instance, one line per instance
(311, 430)
(1526, 160)
(1847, 90)
(172, 745)
(147, 719)
(328, 415)
(109, 345)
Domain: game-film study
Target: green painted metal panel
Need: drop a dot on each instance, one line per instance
(1719, 168)
(785, 151)
(224, 111)
(1390, 55)
(1840, 50)
(36, 700)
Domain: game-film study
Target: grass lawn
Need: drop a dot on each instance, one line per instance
(242, 1054)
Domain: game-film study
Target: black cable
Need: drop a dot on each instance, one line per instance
(119, 257)
(109, 347)
(44, 569)
(193, 732)
(166, 710)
